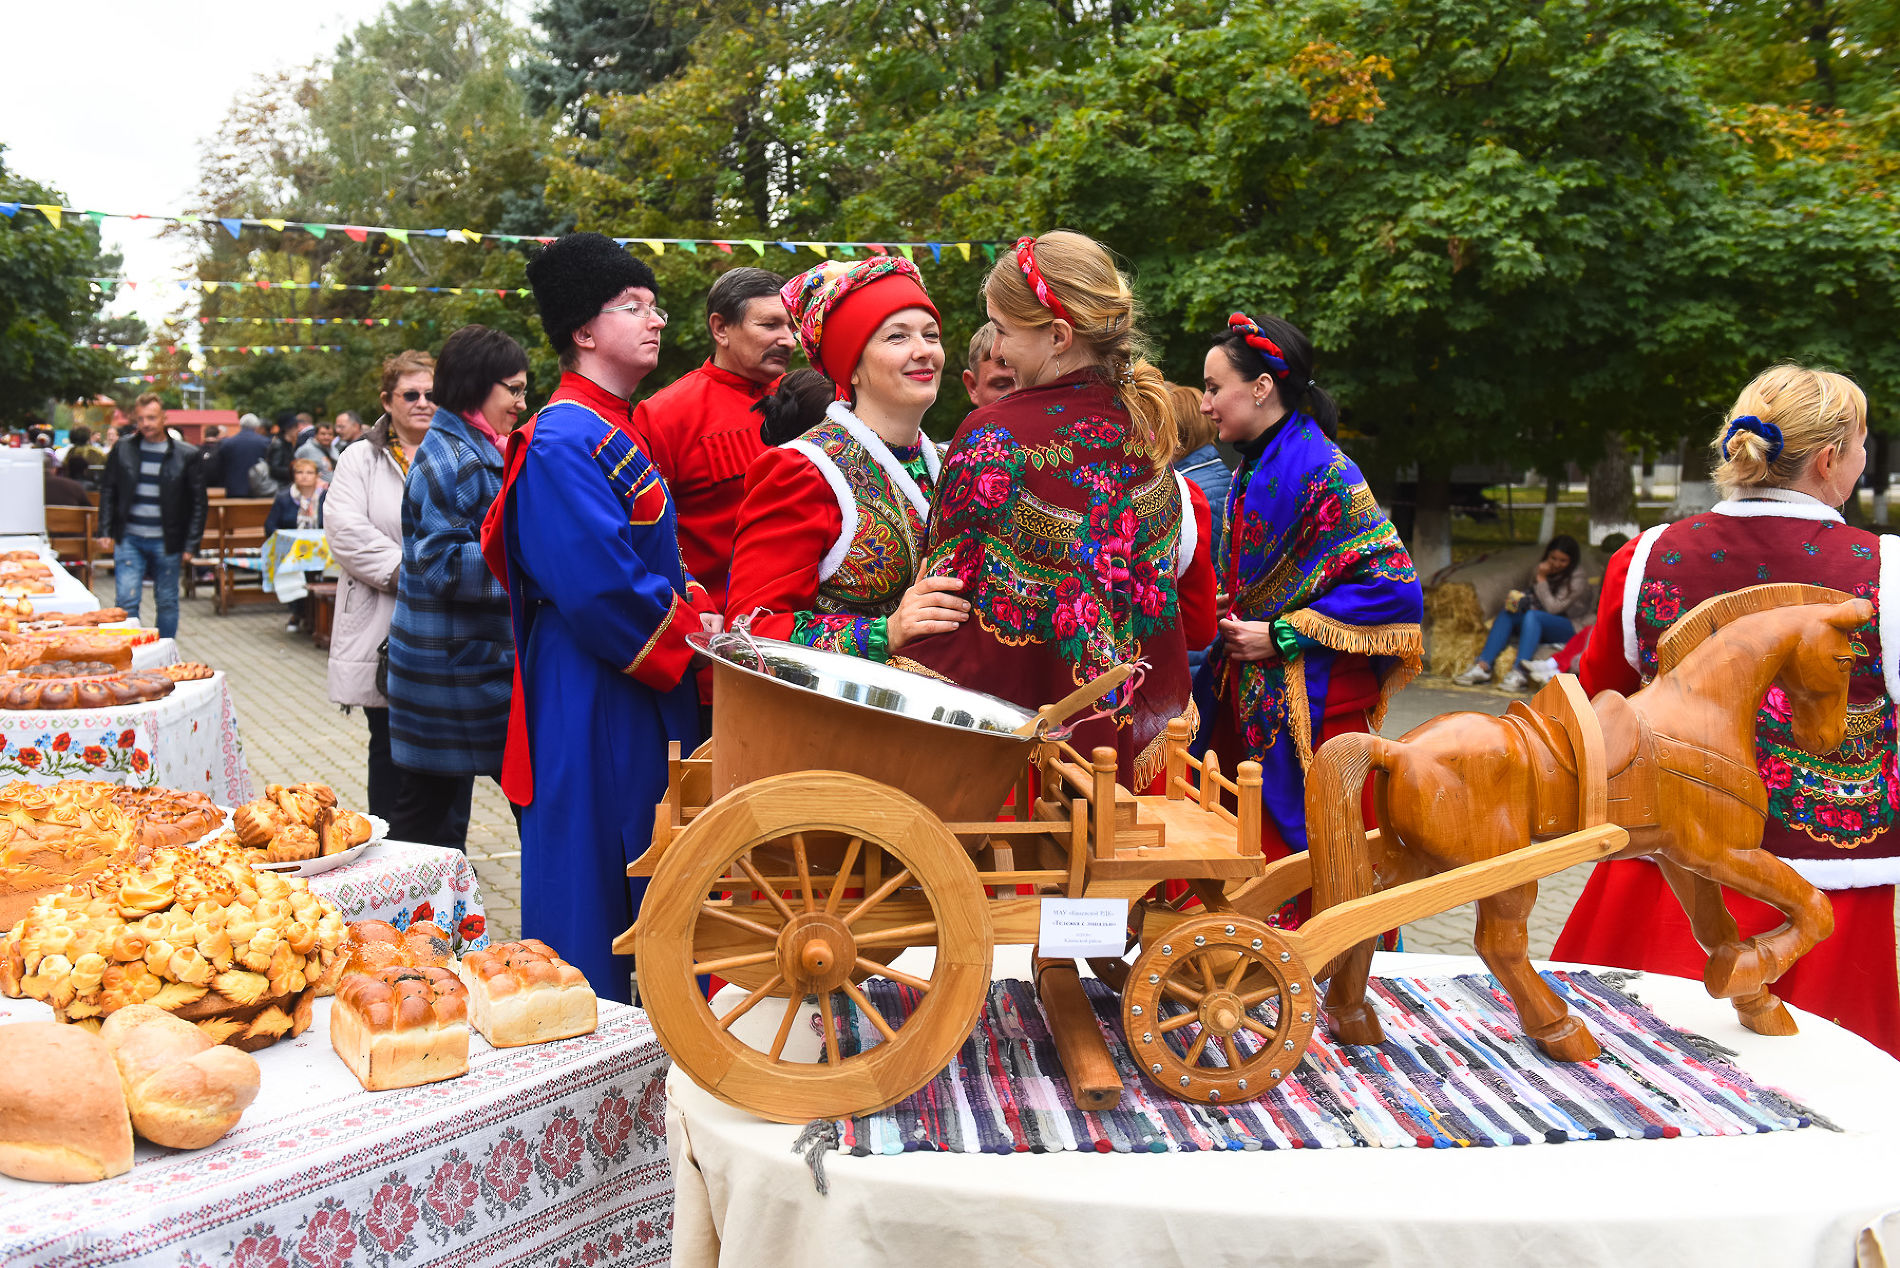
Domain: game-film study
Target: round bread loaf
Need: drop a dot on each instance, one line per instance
(62, 1109)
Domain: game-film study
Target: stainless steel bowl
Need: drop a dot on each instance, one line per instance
(866, 683)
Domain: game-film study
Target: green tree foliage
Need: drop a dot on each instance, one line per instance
(48, 308)
(603, 48)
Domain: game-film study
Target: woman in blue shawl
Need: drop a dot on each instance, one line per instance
(1322, 623)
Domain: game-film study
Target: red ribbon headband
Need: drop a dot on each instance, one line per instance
(1249, 329)
(1026, 261)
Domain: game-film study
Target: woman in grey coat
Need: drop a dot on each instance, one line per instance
(362, 517)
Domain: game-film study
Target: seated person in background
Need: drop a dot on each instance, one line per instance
(61, 491)
(1560, 597)
(83, 459)
(301, 505)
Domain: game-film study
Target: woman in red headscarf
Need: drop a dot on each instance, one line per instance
(1060, 513)
(833, 522)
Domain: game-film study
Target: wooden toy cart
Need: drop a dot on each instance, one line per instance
(844, 811)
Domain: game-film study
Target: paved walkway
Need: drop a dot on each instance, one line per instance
(292, 732)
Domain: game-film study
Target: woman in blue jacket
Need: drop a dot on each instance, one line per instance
(451, 648)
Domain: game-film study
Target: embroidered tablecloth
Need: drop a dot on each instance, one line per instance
(288, 554)
(401, 881)
(188, 740)
(553, 1156)
(156, 655)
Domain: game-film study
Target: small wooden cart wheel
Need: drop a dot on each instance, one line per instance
(897, 878)
(1220, 1010)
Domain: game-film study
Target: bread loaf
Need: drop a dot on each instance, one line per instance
(401, 1027)
(183, 1090)
(62, 1111)
(522, 993)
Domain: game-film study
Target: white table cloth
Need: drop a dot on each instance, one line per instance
(1783, 1198)
(403, 881)
(188, 740)
(543, 1156)
(69, 594)
(288, 554)
(156, 655)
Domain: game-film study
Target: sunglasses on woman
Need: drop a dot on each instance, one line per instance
(415, 394)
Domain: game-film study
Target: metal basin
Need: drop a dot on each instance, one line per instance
(781, 707)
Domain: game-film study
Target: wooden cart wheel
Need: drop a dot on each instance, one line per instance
(1220, 1010)
(911, 884)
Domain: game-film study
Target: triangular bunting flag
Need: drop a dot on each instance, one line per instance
(316, 231)
(356, 233)
(877, 248)
(9, 210)
(964, 249)
(819, 247)
(274, 223)
(501, 294)
(455, 290)
(210, 287)
(654, 245)
(790, 246)
(689, 246)
(453, 235)
(989, 250)
(400, 235)
(409, 290)
(97, 217)
(384, 321)
(724, 246)
(756, 244)
(233, 225)
(50, 211)
(908, 252)
(936, 251)
(471, 235)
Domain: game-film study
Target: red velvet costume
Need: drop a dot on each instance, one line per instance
(702, 435)
(1068, 542)
(1834, 818)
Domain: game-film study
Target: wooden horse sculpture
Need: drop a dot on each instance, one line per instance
(1674, 764)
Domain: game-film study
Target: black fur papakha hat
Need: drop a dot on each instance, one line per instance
(573, 278)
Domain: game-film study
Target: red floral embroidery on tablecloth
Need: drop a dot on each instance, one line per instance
(613, 1123)
(260, 1247)
(506, 1174)
(423, 912)
(557, 1161)
(391, 1219)
(448, 1201)
(329, 1240)
(650, 1118)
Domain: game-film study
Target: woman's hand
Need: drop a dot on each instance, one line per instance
(1248, 640)
(929, 607)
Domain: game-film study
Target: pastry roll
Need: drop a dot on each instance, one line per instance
(400, 1027)
(522, 993)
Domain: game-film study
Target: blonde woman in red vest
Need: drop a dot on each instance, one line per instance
(1788, 454)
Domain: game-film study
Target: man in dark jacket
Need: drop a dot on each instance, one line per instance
(151, 512)
(236, 455)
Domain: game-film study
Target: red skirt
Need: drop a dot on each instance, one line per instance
(1629, 917)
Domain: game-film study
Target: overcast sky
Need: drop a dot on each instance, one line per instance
(107, 101)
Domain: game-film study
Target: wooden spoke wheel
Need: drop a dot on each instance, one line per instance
(869, 871)
(1219, 1010)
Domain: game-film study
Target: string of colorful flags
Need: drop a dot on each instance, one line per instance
(57, 215)
(308, 321)
(247, 349)
(261, 284)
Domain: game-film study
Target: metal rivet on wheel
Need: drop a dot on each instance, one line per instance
(1200, 940)
(1295, 988)
(1285, 956)
(1214, 1094)
(1256, 944)
(1166, 949)
(1274, 1073)
(1147, 1036)
(1155, 1068)
(1243, 1085)
(1135, 1011)
(1230, 931)
(1185, 1080)
(1306, 1017)
(1288, 1045)
(1153, 978)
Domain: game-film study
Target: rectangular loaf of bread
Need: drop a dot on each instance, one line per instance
(400, 1027)
(523, 993)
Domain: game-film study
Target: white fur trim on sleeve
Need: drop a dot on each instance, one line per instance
(1190, 530)
(847, 505)
(1889, 584)
(840, 413)
(1781, 503)
(1633, 589)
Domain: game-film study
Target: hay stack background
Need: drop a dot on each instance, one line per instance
(1455, 627)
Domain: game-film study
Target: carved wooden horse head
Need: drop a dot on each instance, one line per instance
(1815, 675)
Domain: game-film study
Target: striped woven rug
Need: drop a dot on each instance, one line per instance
(1455, 1071)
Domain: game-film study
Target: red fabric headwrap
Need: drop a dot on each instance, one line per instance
(850, 325)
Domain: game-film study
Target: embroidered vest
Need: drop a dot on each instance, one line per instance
(874, 559)
(1834, 817)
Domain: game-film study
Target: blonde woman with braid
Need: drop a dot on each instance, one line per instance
(1059, 511)
(1787, 456)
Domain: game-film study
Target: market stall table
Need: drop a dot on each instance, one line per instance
(537, 1156)
(288, 554)
(69, 593)
(188, 740)
(402, 881)
(1782, 1198)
